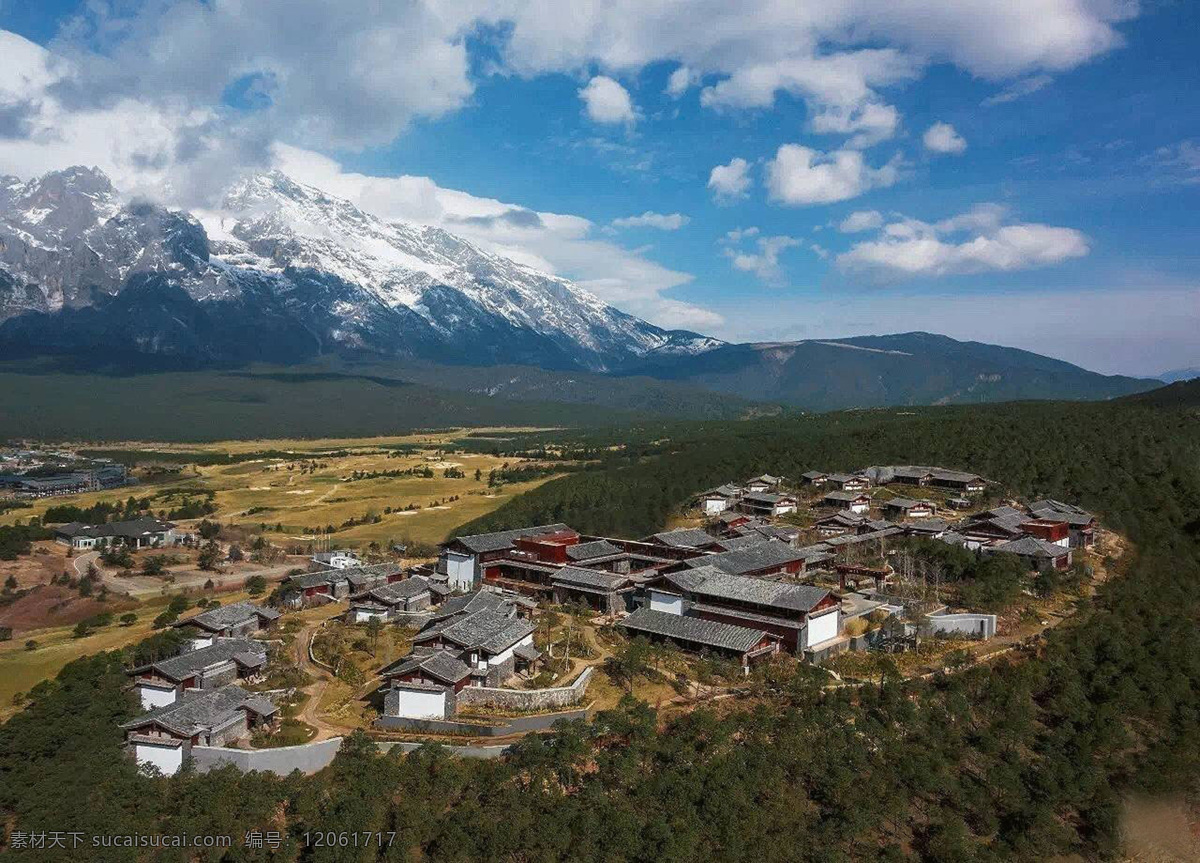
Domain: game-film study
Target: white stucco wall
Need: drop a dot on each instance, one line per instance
(202, 641)
(859, 507)
(363, 615)
(504, 655)
(460, 570)
(667, 602)
(822, 628)
(417, 704)
(168, 759)
(153, 697)
(713, 506)
(784, 508)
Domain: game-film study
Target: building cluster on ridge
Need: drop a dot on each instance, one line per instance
(743, 586)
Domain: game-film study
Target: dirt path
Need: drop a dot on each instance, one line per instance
(310, 713)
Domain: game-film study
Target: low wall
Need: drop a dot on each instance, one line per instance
(978, 625)
(494, 751)
(504, 728)
(528, 699)
(308, 758)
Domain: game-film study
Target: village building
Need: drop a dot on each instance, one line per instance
(395, 600)
(464, 558)
(717, 500)
(686, 537)
(1051, 530)
(853, 501)
(424, 686)
(767, 503)
(957, 480)
(841, 522)
(848, 481)
(905, 507)
(814, 478)
(802, 616)
(785, 533)
(1038, 554)
(229, 621)
(163, 738)
(342, 559)
(1081, 525)
(1001, 524)
(929, 528)
(222, 662)
(496, 643)
(764, 483)
(605, 592)
(762, 558)
(698, 635)
(919, 476)
(144, 532)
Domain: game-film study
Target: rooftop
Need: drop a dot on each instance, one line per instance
(575, 576)
(694, 630)
(684, 537)
(762, 555)
(197, 712)
(589, 550)
(227, 616)
(245, 651)
(502, 539)
(441, 664)
(712, 583)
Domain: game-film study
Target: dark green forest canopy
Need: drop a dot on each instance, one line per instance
(1022, 760)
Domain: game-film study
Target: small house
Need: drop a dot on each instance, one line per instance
(768, 504)
(1038, 554)
(814, 478)
(222, 662)
(764, 483)
(744, 644)
(605, 592)
(229, 621)
(849, 500)
(905, 507)
(848, 481)
(717, 500)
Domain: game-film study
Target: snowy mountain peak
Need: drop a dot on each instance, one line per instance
(319, 268)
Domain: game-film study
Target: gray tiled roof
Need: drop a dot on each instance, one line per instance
(762, 555)
(362, 574)
(398, 591)
(695, 630)
(844, 496)
(684, 537)
(469, 603)
(441, 664)
(576, 576)
(928, 525)
(907, 503)
(316, 579)
(772, 594)
(134, 528)
(227, 616)
(734, 543)
(782, 532)
(489, 631)
(726, 490)
(502, 539)
(765, 498)
(589, 550)
(246, 651)
(1031, 546)
(197, 712)
(814, 474)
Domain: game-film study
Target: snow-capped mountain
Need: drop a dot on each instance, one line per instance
(283, 271)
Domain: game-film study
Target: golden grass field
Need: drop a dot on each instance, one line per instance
(284, 493)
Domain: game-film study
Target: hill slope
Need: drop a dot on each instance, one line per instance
(875, 371)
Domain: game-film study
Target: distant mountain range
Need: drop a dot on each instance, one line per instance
(286, 274)
(1179, 375)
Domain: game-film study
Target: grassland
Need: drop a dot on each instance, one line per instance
(302, 486)
(21, 669)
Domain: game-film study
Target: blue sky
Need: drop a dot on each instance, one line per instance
(1026, 173)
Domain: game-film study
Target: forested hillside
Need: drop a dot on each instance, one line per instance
(1027, 759)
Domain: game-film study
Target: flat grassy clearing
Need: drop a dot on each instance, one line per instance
(310, 491)
(21, 669)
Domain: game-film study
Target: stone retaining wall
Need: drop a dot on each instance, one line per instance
(528, 699)
(502, 728)
(308, 758)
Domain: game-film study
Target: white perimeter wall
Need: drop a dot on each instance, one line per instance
(415, 704)
(152, 698)
(822, 628)
(168, 759)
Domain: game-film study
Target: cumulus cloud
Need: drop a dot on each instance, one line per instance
(762, 258)
(648, 219)
(862, 220)
(867, 124)
(730, 182)
(942, 138)
(680, 81)
(977, 241)
(606, 101)
(800, 176)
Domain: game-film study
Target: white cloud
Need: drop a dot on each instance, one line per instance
(680, 81)
(862, 220)
(763, 260)
(1018, 89)
(799, 176)
(649, 219)
(868, 124)
(942, 138)
(730, 182)
(1182, 158)
(606, 101)
(910, 247)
